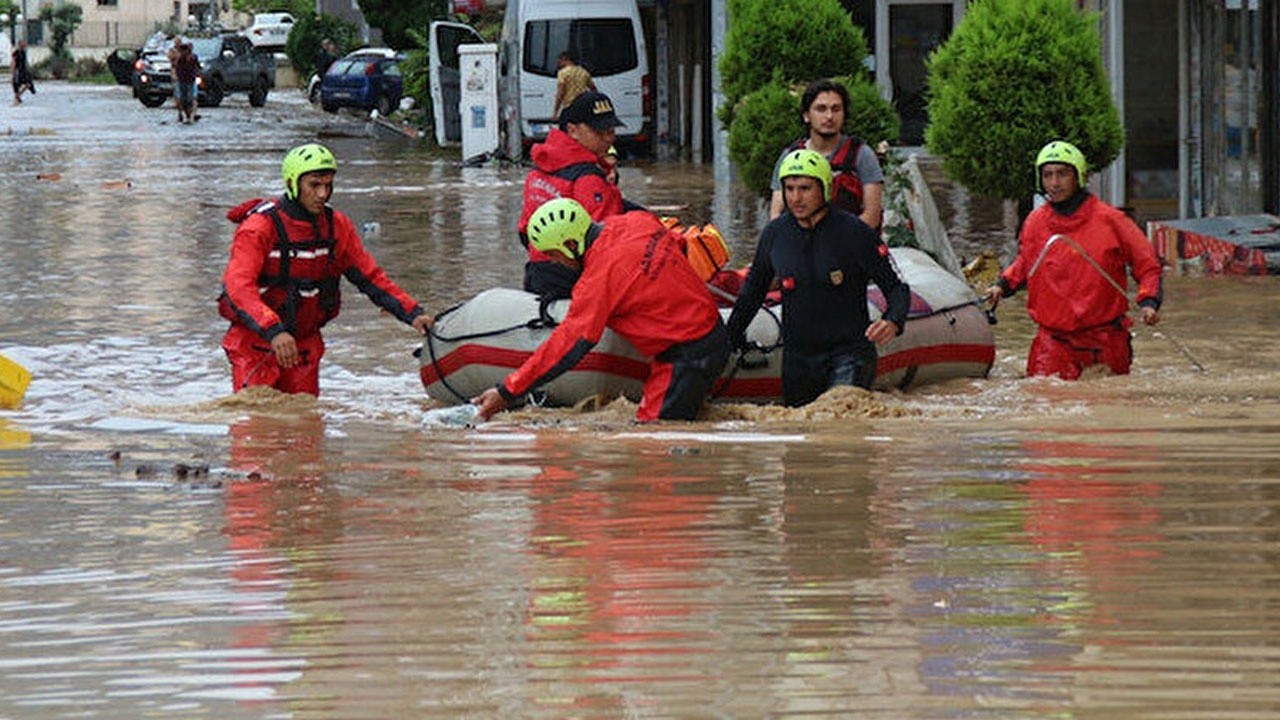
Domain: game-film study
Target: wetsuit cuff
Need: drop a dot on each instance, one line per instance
(270, 333)
(1005, 289)
(1152, 303)
(506, 394)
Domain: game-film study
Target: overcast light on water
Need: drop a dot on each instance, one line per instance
(996, 547)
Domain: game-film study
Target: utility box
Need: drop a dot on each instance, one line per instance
(478, 103)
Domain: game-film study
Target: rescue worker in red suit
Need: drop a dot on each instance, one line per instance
(635, 280)
(281, 284)
(1072, 256)
(570, 164)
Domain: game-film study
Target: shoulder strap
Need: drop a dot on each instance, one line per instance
(846, 157)
(578, 170)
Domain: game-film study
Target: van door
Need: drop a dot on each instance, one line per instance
(446, 78)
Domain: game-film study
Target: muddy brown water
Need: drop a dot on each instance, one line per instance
(1001, 547)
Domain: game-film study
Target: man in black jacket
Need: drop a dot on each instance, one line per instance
(822, 257)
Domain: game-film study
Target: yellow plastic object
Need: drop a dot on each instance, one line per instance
(14, 380)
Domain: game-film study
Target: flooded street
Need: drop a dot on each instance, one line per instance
(984, 548)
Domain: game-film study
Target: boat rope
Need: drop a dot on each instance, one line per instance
(1181, 347)
(544, 320)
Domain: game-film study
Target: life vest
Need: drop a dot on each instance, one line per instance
(541, 186)
(297, 280)
(846, 185)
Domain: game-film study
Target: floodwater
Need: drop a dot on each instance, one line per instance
(986, 548)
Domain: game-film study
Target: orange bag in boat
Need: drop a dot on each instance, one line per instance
(707, 250)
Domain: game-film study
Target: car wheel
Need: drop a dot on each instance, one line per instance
(214, 93)
(329, 107)
(313, 95)
(258, 94)
(152, 101)
(386, 105)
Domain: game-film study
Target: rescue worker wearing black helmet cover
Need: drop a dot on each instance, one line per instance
(281, 284)
(636, 281)
(1073, 252)
(822, 258)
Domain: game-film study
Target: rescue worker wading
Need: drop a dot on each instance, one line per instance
(281, 284)
(1072, 255)
(823, 258)
(636, 281)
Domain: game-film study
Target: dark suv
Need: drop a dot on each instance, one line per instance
(227, 64)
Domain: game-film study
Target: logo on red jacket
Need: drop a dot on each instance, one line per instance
(788, 284)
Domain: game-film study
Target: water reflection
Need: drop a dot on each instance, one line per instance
(1008, 546)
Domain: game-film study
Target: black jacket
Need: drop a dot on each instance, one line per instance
(823, 273)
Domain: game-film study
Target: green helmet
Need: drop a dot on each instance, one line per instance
(1060, 151)
(557, 221)
(808, 163)
(304, 159)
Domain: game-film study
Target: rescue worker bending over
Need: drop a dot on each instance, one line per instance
(635, 280)
(822, 257)
(1072, 255)
(281, 284)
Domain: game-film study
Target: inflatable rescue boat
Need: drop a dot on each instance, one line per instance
(473, 346)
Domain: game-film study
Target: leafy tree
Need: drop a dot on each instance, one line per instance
(395, 17)
(62, 21)
(1013, 76)
(308, 31)
(803, 39)
(763, 78)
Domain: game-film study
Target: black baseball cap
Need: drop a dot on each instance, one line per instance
(592, 108)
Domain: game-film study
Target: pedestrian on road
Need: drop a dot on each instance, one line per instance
(822, 257)
(855, 169)
(20, 71)
(1073, 252)
(637, 282)
(325, 56)
(571, 81)
(281, 284)
(186, 75)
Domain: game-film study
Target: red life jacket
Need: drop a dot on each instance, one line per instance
(846, 186)
(297, 280)
(541, 186)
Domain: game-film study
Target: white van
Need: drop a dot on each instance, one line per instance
(604, 36)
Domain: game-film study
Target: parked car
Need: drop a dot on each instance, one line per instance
(228, 63)
(367, 79)
(269, 30)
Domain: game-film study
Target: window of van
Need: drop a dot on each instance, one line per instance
(604, 46)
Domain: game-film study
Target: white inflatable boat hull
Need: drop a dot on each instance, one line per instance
(475, 345)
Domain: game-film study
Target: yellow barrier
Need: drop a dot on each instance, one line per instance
(14, 380)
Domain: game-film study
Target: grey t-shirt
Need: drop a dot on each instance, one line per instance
(867, 165)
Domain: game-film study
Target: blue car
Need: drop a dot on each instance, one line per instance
(367, 79)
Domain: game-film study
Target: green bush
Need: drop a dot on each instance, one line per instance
(763, 79)
(307, 33)
(802, 39)
(1013, 76)
(763, 125)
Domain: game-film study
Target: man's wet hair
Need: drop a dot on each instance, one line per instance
(816, 88)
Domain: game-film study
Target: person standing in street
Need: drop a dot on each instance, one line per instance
(571, 81)
(1073, 253)
(858, 178)
(325, 56)
(570, 163)
(20, 70)
(822, 258)
(281, 284)
(186, 75)
(636, 281)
